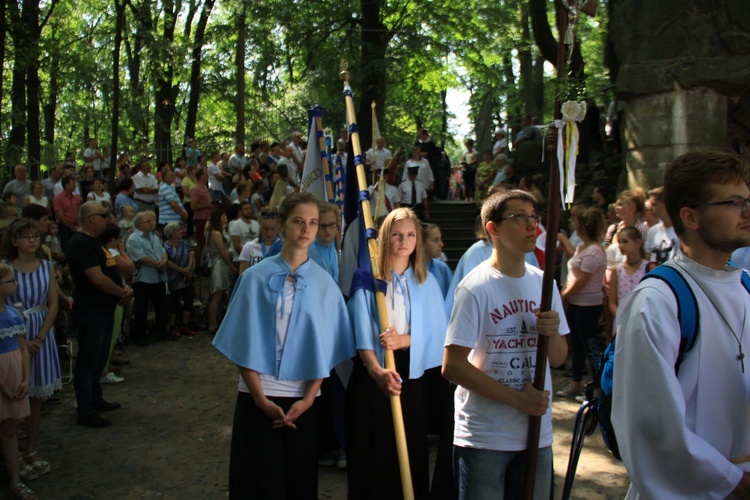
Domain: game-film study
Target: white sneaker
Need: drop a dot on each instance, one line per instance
(111, 378)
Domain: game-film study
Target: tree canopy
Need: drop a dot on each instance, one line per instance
(146, 75)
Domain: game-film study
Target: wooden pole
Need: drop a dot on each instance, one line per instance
(548, 281)
(374, 164)
(390, 362)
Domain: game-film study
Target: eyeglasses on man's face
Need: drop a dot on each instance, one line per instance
(738, 204)
(524, 220)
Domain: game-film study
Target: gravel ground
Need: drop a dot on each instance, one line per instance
(171, 437)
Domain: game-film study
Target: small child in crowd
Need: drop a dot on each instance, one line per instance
(14, 381)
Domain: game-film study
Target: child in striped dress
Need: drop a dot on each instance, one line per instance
(35, 298)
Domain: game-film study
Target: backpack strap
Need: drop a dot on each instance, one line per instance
(744, 278)
(687, 306)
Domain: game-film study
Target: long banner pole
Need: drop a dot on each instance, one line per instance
(366, 214)
(548, 281)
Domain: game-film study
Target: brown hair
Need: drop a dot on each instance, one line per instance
(657, 194)
(290, 203)
(590, 222)
(637, 197)
(634, 234)
(416, 259)
(687, 180)
(493, 208)
(20, 227)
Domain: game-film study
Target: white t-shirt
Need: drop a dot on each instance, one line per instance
(499, 145)
(247, 231)
(107, 198)
(88, 162)
(493, 314)
(382, 157)
(237, 163)
(662, 243)
(214, 184)
(253, 252)
(142, 181)
(424, 174)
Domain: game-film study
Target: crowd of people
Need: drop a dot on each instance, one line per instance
(234, 232)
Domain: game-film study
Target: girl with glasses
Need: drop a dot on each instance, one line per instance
(36, 300)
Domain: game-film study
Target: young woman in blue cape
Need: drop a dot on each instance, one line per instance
(415, 333)
(286, 328)
(433, 249)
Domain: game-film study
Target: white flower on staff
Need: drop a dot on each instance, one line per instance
(573, 111)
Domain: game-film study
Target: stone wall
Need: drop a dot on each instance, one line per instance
(683, 66)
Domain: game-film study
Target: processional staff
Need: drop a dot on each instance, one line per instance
(366, 214)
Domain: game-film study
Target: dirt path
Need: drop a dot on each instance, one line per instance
(171, 437)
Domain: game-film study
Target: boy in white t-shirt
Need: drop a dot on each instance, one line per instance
(490, 353)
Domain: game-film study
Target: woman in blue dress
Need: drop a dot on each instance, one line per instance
(36, 301)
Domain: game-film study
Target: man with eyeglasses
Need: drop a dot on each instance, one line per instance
(490, 353)
(98, 289)
(682, 426)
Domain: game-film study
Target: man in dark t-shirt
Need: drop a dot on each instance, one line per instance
(98, 289)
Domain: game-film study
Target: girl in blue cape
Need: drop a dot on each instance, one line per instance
(286, 328)
(415, 333)
(433, 249)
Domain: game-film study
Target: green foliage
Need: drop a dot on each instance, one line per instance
(293, 53)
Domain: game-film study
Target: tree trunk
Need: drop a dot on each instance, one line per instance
(115, 124)
(526, 64)
(444, 115)
(483, 121)
(514, 110)
(166, 91)
(49, 109)
(546, 41)
(17, 137)
(373, 70)
(538, 84)
(3, 34)
(138, 108)
(195, 70)
(239, 62)
(31, 20)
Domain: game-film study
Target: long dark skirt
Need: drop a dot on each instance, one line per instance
(271, 463)
(372, 460)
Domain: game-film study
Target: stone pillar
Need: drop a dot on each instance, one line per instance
(660, 127)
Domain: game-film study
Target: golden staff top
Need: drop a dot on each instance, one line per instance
(366, 214)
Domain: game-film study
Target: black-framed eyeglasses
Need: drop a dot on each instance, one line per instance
(738, 204)
(269, 215)
(325, 227)
(103, 216)
(29, 237)
(524, 220)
